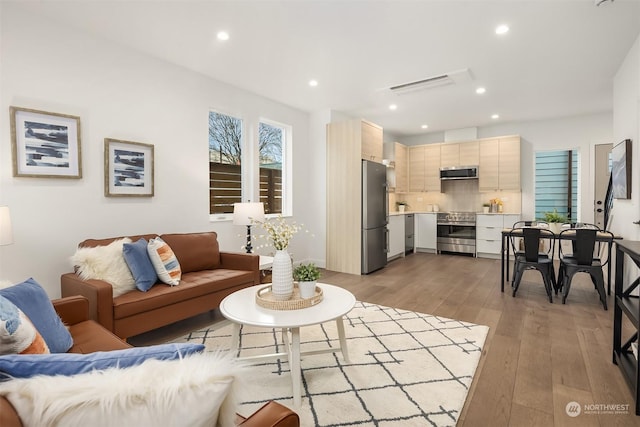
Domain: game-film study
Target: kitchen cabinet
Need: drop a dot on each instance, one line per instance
(345, 141)
(401, 168)
(499, 166)
(416, 168)
(426, 232)
(489, 233)
(371, 141)
(432, 167)
(424, 168)
(396, 236)
(459, 154)
(449, 155)
(469, 153)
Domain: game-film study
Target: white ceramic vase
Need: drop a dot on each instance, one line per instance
(282, 276)
(307, 289)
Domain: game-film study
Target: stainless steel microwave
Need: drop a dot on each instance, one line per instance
(459, 172)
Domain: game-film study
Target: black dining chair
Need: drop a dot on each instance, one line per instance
(532, 259)
(516, 242)
(583, 259)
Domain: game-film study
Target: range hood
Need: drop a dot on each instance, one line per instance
(459, 172)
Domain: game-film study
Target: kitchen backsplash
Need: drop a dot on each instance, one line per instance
(456, 196)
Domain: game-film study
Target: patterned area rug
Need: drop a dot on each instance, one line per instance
(406, 368)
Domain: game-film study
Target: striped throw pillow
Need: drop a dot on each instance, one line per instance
(164, 261)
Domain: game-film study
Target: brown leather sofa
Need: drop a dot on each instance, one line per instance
(208, 276)
(89, 336)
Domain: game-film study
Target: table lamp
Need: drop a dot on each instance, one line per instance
(6, 235)
(244, 214)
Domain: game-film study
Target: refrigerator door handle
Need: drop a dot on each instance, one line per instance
(386, 204)
(386, 240)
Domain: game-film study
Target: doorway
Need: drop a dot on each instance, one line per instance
(602, 172)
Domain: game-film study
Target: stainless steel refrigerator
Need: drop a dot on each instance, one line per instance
(375, 215)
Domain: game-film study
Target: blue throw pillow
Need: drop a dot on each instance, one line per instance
(34, 302)
(29, 365)
(137, 258)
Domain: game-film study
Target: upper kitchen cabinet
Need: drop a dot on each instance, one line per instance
(424, 168)
(401, 168)
(469, 153)
(499, 166)
(371, 141)
(432, 167)
(416, 168)
(459, 154)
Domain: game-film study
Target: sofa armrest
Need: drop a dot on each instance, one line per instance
(72, 310)
(240, 261)
(98, 292)
(271, 414)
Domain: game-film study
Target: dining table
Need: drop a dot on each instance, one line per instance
(507, 233)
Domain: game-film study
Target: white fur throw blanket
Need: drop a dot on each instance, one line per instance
(195, 391)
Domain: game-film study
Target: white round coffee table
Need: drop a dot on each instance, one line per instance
(241, 308)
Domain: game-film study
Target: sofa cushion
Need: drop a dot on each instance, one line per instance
(26, 366)
(164, 261)
(197, 390)
(137, 258)
(105, 263)
(17, 333)
(89, 336)
(34, 302)
(195, 251)
(193, 285)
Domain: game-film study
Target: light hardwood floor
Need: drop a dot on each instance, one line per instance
(538, 356)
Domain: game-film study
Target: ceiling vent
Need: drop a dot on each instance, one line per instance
(453, 77)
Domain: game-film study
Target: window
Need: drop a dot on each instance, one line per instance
(266, 158)
(272, 142)
(225, 169)
(556, 178)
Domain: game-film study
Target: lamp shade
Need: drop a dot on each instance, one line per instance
(6, 235)
(243, 213)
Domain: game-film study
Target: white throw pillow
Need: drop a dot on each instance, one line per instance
(105, 263)
(164, 261)
(198, 390)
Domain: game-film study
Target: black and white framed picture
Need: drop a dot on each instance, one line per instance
(621, 169)
(128, 169)
(45, 144)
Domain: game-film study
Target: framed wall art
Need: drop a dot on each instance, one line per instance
(128, 169)
(621, 170)
(45, 144)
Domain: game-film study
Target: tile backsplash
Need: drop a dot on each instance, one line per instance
(457, 196)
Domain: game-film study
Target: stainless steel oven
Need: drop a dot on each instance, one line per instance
(457, 232)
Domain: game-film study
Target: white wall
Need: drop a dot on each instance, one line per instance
(581, 132)
(626, 124)
(120, 93)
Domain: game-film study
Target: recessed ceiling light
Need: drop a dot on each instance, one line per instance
(223, 35)
(313, 83)
(393, 107)
(424, 126)
(502, 29)
(495, 116)
(480, 90)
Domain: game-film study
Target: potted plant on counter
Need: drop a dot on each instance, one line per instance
(306, 275)
(402, 206)
(485, 207)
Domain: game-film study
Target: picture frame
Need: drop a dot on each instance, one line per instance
(128, 169)
(621, 170)
(45, 144)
